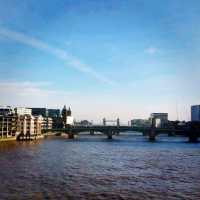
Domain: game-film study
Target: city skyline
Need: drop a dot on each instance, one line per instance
(104, 59)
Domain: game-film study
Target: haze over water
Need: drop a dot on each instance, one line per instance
(92, 167)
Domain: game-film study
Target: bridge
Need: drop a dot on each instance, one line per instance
(193, 132)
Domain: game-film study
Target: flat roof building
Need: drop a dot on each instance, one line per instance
(6, 110)
(53, 113)
(22, 111)
(40, 111)
(195, 113)
(161, 119)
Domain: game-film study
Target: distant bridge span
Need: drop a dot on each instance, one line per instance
(151, 132)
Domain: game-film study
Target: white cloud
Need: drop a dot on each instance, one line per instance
(58, 53)
(151, 50)
(30, 93)
(91, 106)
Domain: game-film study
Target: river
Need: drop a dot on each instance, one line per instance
(93, 167)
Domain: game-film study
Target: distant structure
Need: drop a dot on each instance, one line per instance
(67, 117)
(83, 123)
(29, 125)
(141, 122)
(5, 110)
(161, 119)
(22, 111)
(195, 113)
(52, 117)
(54, 113)
(29, 122)
(19, 121)
(105, 121)
(47, 123)
(40, 111)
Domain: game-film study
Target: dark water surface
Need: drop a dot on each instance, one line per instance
(92, 167)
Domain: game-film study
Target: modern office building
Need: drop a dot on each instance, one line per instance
(195, 113)
(141, 122)
(40, 111)
(54, 113)
(82, 123)
(52, 117)
(161, 119)
(22, 111)
(6, 110)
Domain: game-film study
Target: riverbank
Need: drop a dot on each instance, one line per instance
(7, 139)
(58, 135)
(14, 138)
(42, 136)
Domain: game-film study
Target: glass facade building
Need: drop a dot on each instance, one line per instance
(195, 113)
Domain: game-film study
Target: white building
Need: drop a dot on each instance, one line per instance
(22, 111)
(47, 123)
(70, 120)
(29, 125)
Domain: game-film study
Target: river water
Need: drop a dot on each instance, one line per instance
(92, 167)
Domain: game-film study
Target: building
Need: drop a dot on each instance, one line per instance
(29, 125)
(7, 125)
(195, 113)
(141, 122)
(83, 123)
(25, 124)
(38, 120)
(47, 123)
(66, 117)
(19, 121)
(40, 111)
(54, 113)
(161, 119)
(57, 122)
(22, 111)
(6, 110)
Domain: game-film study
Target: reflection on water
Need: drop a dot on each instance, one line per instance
(92, 167)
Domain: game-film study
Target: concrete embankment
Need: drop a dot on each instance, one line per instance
(29, 137)
(19, 138)
(58, 135)
(42, 136)
(7, 139)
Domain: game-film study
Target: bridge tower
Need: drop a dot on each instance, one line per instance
(117, 121)
(104, 121)
(152, 134)
(194, 131)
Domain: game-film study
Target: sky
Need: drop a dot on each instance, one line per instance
(103, 58)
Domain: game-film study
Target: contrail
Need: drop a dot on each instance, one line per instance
(59, 53)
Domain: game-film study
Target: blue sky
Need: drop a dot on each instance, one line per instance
(105, 58)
